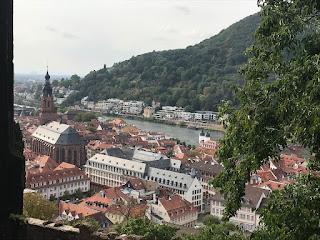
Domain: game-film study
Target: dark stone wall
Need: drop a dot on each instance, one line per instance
(11, 159)
(41, 230)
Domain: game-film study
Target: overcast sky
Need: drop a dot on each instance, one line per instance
(77, 36)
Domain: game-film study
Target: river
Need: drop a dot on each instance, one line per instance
(190, 136)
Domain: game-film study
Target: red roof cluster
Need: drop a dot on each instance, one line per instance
(62, 171)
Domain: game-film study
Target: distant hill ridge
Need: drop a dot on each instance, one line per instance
(197, 77)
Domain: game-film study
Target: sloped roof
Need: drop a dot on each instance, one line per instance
(144, 156)
(76, 209)
(136, 183)
(176, 206)
(125, 153)
(65, 165)
(118, 162)
(207, 167)
(134, 211)
(114, 193)
(56, 174)
(253, 196)
(41, 163)
(57, 133)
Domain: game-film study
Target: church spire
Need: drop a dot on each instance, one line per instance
(48, 111)
(47, 77)
(47, 89)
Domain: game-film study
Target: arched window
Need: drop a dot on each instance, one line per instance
(58, 154)
(63, 155)
(69, 156)
(75, 155)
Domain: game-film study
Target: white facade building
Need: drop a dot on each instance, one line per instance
(113, 171)
(173, 210)
(246, 217)
(133, 107)
(66, 178)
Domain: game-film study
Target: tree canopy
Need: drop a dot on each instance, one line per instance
(197, 77)
(279, 105)
(35, 206)
(85, 116)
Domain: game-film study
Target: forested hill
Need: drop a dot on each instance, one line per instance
(197, 77)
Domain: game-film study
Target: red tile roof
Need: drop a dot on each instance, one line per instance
(76, 209)
(273, 185)
(134, 211)
(55, 175)
(41, 164)
(65, 165)
(176, 206)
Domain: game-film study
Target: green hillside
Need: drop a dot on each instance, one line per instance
(197, 77)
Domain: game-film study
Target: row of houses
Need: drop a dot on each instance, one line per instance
(114, 170)
(135, 198)
(114, 106)
(53, 180)
(117, 106)
(170, 113)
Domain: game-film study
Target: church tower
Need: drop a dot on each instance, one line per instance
(48, 111)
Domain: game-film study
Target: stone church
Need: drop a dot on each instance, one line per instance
(59, 141)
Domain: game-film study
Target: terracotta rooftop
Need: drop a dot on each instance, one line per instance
(176, 206)
(134, 211)
(76, 209)
(55, 175)
(273, 185)
(136, 183)
(41, 164)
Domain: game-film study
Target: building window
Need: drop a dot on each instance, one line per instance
(62, 155)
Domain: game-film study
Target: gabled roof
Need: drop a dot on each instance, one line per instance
(144, 156)
(135, 211)
(76, 209)
(253, 196)
(96, 201)
(211, 168)
(124, 153)
(118, 162)
(65, 165)
(273, 185)
(57, 133)
(176, 206)
(41, 164)
(136, 184)
(114, 193)
(56, 174)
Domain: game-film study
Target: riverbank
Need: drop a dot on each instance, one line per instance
(187, 135)
(190, 125)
